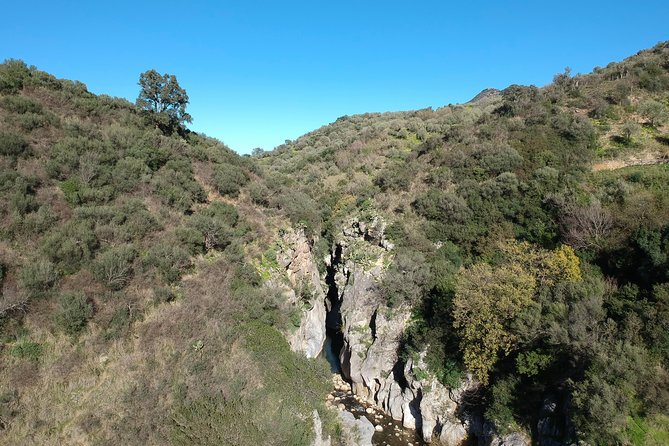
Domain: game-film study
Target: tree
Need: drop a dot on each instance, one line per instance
(487, 300)
(655, 112)
(162, 96)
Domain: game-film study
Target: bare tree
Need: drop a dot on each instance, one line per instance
(586, 226)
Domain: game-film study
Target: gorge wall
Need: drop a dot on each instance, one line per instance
(365, 335)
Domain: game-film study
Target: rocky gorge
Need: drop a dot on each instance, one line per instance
(346, 320)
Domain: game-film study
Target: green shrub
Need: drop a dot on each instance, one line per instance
(259, 193)
(500, 411)
(13, 74)
(214, 225)
(23, 203)
(163, 294)
(73, 313)
(170, 259)
(114, 267)
(24, 349)
(38, 276)
(89, 158)
(406, 278)
(129, 172)
(71, 188)
(229, 179)
(175, 184)
(20, 105)
(13, 145)
(31, 121)
(70, 245)
(118, 324)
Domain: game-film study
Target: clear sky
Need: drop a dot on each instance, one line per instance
(259, 73)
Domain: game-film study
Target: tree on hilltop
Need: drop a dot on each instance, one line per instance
(164, 99)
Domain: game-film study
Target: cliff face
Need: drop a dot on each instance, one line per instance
(304, 289)
(368, 331)
(346, 304)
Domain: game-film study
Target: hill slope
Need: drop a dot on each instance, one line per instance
(473, 274)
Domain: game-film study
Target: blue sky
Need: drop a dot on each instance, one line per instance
(259, 73)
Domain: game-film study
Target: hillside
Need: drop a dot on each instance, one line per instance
(472, 272)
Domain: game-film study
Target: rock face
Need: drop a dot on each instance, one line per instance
(369, 335)
(356, 431)
(318, 430)
(305, 290)
(370, 330)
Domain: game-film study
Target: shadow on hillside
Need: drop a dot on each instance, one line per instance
(662, 140)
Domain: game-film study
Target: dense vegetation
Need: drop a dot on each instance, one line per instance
(131, 312)
(531, 263)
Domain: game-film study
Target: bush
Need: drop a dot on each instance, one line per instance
(13, 74)
(214, 225)
(38, 276)
(70, 245)
(71, 188)
(259, 193)
(170, 259)
(114, 267)
(406, 278)
(128, 173)
(20, 105)
(175, 184)
(13, 145)
(26, 350)
(229, 179)
(73, 313)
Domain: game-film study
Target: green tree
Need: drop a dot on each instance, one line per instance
(162, 96)
(655, 112)
(487, 300)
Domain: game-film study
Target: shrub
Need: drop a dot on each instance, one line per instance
(71, 189)
(170, 259)
(73, 313)
(23, 203)
(175, 184)
(13, 74)
(214, 225)
(301, 209)
(38, 276)
(13, 145)
(229, 179)
(26, 350)
(500, 411)
(83, 156)
(20, 105)
(259, 193)
(118, 324)
(70, 245)
(132, 221)
(405, 279)
(128, 173)
(114, 267)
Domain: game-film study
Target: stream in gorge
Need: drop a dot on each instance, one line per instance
(388, 432)
(392, 433)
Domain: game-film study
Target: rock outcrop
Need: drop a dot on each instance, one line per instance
(305, 290)
(370, 334)
(319, 440)
(356, 431)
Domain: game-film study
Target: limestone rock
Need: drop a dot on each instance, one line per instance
(318, 430)
(452, 433)
(302, 273)
(356, 432)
